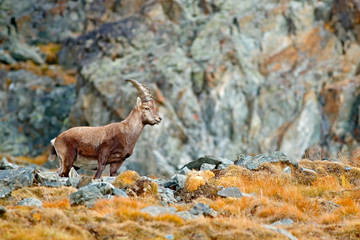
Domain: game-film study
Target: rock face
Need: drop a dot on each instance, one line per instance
(229, 78)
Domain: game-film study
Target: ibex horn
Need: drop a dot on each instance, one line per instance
(144, 92)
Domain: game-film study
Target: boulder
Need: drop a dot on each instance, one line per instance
(285, 221)
(157, 210)
(89, 194)
(31, 202)
(252, 163)
(233, 192)
(203, 209)
(209, 161)
(5, 164)
(281, 231)
(48, 179)
(14, 179)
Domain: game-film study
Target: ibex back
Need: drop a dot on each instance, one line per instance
(95, 147)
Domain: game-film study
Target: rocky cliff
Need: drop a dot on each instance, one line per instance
(229, 76)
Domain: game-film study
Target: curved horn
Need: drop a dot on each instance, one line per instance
(144, 92)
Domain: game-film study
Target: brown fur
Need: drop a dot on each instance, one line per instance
(110, 144)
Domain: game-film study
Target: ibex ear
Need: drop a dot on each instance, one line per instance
(138, 103)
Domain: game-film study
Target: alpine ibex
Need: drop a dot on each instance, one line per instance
(95, 147)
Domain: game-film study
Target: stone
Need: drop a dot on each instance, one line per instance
(206, 166)
(156, 210)
(22, 52)
(166, 195)
(285, 221)
(5, 164)
(48, 179)
(89, 194)
(31, 202)
(181, 180)
(307, 128)
(308, 171)
(233, 192)
(347, 168)
(119, 192)
(73, 182)
(203, 209)
(6, 58)
(73, 174)
(108, 179)
(3, 211)
(186, 215)
(281, 231)
(287, 170)
(84, 180)
(15, 178)
(170, 237)
(196, 164)
(252, 163)
(184, 171)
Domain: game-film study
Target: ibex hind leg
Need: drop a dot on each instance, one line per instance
(68, 161)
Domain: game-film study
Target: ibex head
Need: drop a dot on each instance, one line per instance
(146, 104)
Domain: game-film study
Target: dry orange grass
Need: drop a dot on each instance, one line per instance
(311, 205)
(126, 179)
(196, 179)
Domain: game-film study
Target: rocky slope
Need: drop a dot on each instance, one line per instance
(210, 198)
(229, 77)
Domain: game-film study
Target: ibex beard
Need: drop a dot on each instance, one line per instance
(95, 147)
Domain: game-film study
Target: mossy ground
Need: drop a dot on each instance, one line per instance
(322, 206)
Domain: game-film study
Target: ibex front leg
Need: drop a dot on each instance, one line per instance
(103, 157)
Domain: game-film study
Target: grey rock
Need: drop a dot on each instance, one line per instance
(281, 231)
(308, 171)
(166, 195)
(22, 52)
(14, 179)
(334, 204)
(156, 210)
(119, 192)
(84, 180)
(6, 58)
(207, 166)
(181, 180)
(3, 211)
(287, 170)
(89, 194)
(73, 174)
(48, 179)
(170, 237)
(184, 171)
(252, 163)
(203, 209)
(233, 192)
(73, 182)
(307, 128)
(41, 119)
(186, 215)
(285, 221)
(196, 164)
(347, 168)
(5, 164)
(31, 202)
(108, 179)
